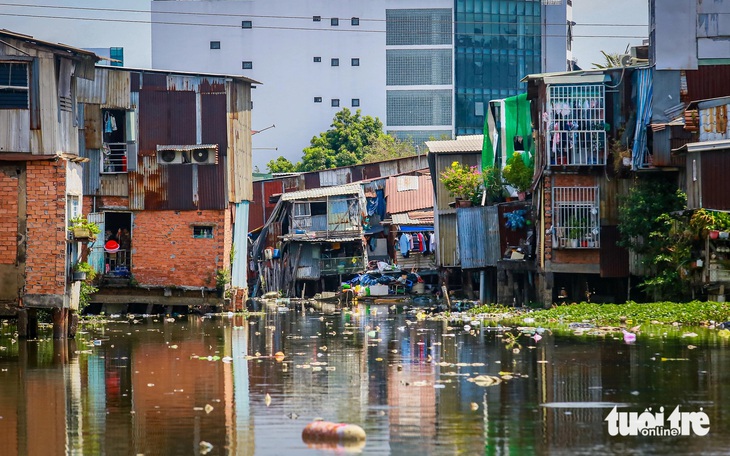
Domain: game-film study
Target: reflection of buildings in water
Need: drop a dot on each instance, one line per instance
(35, 406)
(579, 380)
(411, 393)
(239, 420)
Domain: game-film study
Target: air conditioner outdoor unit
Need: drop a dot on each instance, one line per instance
(203, 156)
(173, 157)
(169, 157)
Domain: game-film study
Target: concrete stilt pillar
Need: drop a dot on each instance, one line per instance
(73, 324)
(32, 324)
(60, 323)
(22, 323)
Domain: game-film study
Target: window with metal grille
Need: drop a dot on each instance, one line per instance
(335, 62)
(355, 62)
(317, 18)
(119, 141)
(334, 22)
(355, 21)
(317, 59)
(576, 218)
(203, 232)
(247, 24)
(418, 107)
(418, 67)
(335, 102)
(13, 85)
(576, 125)
(318, 99)
(247, 65)
(406, 27)
(355, 102)
(215, 44)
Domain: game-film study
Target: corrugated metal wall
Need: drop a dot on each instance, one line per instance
(214, 128)
(715, 165)
(211, 186)
(311, 180)
(479, 245)
(448, 247)
(614, 258)
(332, 177)
(239, 141)
(707, 81)
(169, 119)
(239, 268)
(309, 266)
(118, 90)
(180, 189)
(256, 208)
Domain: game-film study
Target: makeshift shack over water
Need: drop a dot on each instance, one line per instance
(311, 240)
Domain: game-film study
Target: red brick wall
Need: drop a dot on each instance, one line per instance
(164, 252)
(46, 227)
(8, 215)
(587, 256)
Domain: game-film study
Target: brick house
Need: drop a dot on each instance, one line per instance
(169, 182)
(40, 176)
(581, 119)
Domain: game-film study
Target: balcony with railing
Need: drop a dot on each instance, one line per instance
(114, 158)
(341, 265)
(575, 124)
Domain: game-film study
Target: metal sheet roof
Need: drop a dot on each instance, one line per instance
(405, 219)
(412, 199)
(347, 189)
(471, 143)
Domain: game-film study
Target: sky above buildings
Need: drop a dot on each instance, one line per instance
(52, 20)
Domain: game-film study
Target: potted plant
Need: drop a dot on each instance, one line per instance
(493, 184)
(83, 271)
(222, 279)
(518, 174)
(82, 228)
(463, 182)
(576, 231)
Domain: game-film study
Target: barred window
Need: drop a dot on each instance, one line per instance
(576, 217)
(13, 85)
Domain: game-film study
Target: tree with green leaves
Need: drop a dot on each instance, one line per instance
(612, 60)
(351, 140)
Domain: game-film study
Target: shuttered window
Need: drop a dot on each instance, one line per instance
(13, 85)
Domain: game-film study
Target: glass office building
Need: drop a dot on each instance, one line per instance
(496, 43)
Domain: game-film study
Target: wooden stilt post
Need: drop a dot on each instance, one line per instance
(59, 323)
(22, 323)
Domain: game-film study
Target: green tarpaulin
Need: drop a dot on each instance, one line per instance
(517, 124)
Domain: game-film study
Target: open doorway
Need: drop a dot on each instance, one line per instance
(117, 243)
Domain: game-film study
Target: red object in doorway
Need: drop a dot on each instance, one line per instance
(111, 246)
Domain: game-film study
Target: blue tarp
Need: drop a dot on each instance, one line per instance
(414, 229)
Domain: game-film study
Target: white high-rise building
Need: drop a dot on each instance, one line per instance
(392, 59)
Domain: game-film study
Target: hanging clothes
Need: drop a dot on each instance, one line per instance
(410, 240)
(404, 244)
(432, 241)
(421, 243)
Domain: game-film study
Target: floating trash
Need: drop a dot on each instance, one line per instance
(485, 380)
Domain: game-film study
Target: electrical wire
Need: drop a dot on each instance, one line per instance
(332, 29)
(308, 18)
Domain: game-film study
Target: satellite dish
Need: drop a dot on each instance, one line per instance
(201, 155)
(167, 156)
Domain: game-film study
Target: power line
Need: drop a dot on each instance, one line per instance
(308, 18)
(332, 29)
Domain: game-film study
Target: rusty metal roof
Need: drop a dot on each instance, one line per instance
(347, 189)
(471, 143)
(408, 193)
(59, 46)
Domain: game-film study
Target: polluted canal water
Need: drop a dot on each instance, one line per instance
(412, 384)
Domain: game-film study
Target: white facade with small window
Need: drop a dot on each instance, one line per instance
(292, 54)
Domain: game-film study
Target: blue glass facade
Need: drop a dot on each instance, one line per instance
(496, 43)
